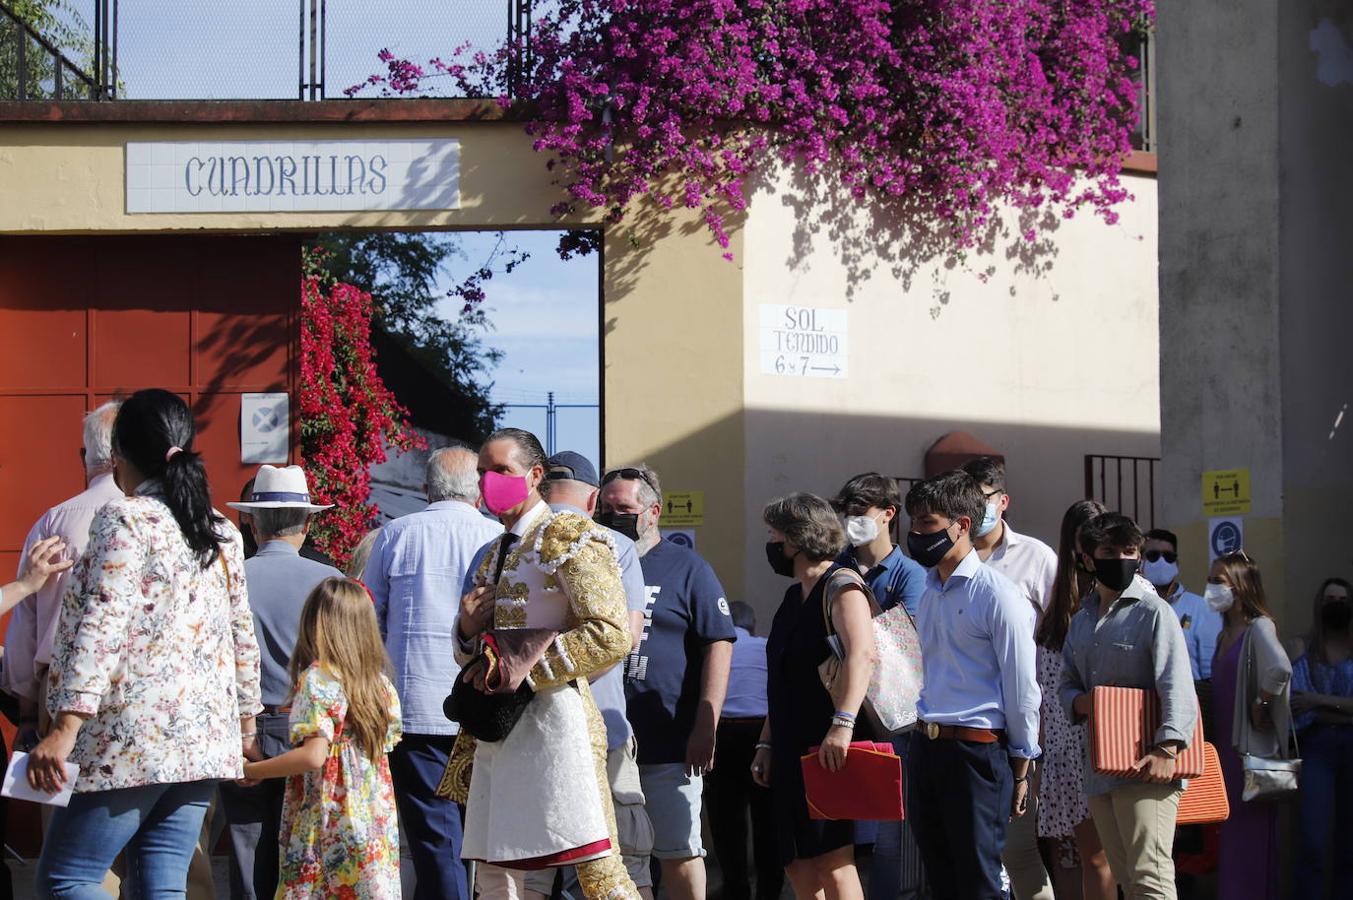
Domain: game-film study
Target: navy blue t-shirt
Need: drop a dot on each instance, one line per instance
(686, 611)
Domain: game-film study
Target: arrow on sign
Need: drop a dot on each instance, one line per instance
(835, 370)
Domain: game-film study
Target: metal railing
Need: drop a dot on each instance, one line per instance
(1141, 45)
(1126, 484)
(34, 67)
(200, 50)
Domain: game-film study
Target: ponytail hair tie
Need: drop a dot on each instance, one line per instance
(171, 452)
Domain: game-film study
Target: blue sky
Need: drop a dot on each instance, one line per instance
(195, 49)
(546, 321)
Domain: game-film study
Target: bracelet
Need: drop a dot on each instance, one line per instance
(762, 745)
(843, 715)
(843, 722)
(246, 735)
(1170, 752)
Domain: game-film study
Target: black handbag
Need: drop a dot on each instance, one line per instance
(487, 717)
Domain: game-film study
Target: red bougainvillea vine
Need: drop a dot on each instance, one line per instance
(947, 108)
(347, 413)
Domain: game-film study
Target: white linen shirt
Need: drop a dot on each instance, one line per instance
(32, 625)
(1029, 563)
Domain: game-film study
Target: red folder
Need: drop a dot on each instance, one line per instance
(1123, 727)
(868, 787)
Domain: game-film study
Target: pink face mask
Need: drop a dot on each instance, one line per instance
(502, 492)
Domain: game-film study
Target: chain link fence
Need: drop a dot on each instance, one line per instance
(246, 50)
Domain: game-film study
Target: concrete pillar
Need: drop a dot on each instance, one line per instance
(1256, 269)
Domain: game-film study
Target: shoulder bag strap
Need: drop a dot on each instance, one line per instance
(837, 580)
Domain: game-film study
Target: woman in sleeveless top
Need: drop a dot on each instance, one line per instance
(805, 541)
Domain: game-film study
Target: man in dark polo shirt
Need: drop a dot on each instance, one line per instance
(675, 680)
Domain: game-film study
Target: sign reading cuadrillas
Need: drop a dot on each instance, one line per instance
(292, 176)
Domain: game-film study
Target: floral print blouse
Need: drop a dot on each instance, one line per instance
(340, 833)
(157, 650)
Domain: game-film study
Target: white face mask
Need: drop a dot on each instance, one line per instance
(860, 530)
(1219, 597)
(1160, 573)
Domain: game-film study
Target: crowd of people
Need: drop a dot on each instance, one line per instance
(185, 669)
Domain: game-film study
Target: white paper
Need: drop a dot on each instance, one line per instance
(16, 783)
(265, 428)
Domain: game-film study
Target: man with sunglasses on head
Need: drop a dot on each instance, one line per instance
(1032, 566)
(676, 678)
(1201, 625)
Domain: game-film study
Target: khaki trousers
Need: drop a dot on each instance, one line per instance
(1136, 825)
(1022, 860)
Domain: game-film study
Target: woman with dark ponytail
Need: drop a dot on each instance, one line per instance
(154, 680)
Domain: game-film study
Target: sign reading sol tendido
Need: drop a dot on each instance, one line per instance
(292, 176)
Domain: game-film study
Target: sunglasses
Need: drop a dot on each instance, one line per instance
(1153, 555)
(629, 475)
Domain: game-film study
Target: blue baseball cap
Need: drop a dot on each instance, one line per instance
(568, 465)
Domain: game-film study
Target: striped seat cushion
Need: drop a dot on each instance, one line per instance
(1204, 798)
(1123, 727)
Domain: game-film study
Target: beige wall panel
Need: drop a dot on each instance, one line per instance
(1046, 356)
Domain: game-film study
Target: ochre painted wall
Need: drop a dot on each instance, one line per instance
(671, 307)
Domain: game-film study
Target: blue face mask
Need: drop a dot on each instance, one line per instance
(989, 520)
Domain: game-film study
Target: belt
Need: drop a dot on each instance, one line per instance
(276, 710)
(937, 732)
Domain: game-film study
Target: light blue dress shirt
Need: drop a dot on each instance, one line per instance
(608, 689)
(978, 654)
(1202, 626)
(279, 580)
(746, 697)
(417, 567)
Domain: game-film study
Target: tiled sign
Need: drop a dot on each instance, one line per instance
(292, 176)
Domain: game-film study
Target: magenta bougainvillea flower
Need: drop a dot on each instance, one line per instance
(945, 107)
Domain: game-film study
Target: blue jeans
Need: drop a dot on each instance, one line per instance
(157, 825)
(1325, 833)
(896, 868)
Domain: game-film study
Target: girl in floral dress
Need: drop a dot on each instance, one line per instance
(339, 834)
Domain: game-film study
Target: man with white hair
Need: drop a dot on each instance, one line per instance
(28, 642)
(279, 579)
(418, 563)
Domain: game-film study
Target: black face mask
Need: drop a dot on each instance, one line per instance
(928, 549)
(781, 563)
(1116, 574)
(250, 545)
(1336, 615)
(625, 523)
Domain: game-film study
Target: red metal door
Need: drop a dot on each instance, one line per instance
(84, 319)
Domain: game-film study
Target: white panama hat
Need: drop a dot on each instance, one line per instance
(283, 488)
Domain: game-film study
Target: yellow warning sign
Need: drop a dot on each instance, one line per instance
(1226, 492)
(683, 509)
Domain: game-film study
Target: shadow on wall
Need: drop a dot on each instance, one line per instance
(899, 238)
(818, 451)
(83, 319)
(629, 245)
